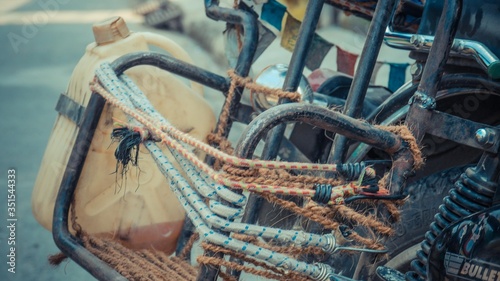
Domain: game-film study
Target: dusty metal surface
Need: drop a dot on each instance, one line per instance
(419, 116)
(68, 243)
(361, 80)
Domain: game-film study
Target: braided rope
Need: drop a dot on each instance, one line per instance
(158, 128)
(270, 272)
(318, 215)
(254, 87)
(264, 177)
(218, 138)
(292, 250)
(189, 245)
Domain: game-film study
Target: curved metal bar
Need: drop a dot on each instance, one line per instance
(69, 244)
(173, 65)
(317, 116)
(482, 54)
(250, 32)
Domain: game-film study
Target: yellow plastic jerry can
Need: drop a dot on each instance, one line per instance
(137, 208)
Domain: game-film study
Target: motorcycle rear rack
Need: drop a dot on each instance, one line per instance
(421, 115)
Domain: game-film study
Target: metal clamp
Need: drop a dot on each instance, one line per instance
(424, 100)
(325, 272)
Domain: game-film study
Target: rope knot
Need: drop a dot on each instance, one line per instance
(129, 138)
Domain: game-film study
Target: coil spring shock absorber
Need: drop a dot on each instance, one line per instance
(473, 192)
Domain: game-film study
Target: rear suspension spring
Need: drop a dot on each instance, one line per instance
(471, 193)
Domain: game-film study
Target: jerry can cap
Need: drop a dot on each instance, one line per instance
(110, 30)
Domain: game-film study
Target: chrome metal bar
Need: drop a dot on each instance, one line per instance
(482, 54)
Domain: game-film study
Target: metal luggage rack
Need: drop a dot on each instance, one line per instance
(422, 114)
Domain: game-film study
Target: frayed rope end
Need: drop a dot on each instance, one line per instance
(57, 259)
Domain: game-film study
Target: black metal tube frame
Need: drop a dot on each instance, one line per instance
(361, 80)
(174, 66)
(70, 245)
(291, 83)
(248, 22)
(316, 116)
(424, 100)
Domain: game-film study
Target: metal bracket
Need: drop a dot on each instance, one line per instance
(464, 131)
(69, 108)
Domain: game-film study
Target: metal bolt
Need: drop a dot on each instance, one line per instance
(417, 40)
(459, 45)
(485, 137)
(416, 70)
(253, 115)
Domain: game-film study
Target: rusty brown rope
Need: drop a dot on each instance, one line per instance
(237, 81)
(317, 215)
(138, 265)
(133, 265)
(369, 221)
(227, 277)
(276, 177)
(292, 206)
(405, 133)
(270, 272)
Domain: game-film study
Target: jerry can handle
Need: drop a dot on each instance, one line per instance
(175, 50)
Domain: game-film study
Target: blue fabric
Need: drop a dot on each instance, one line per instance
(397, 75)
(273, 12)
